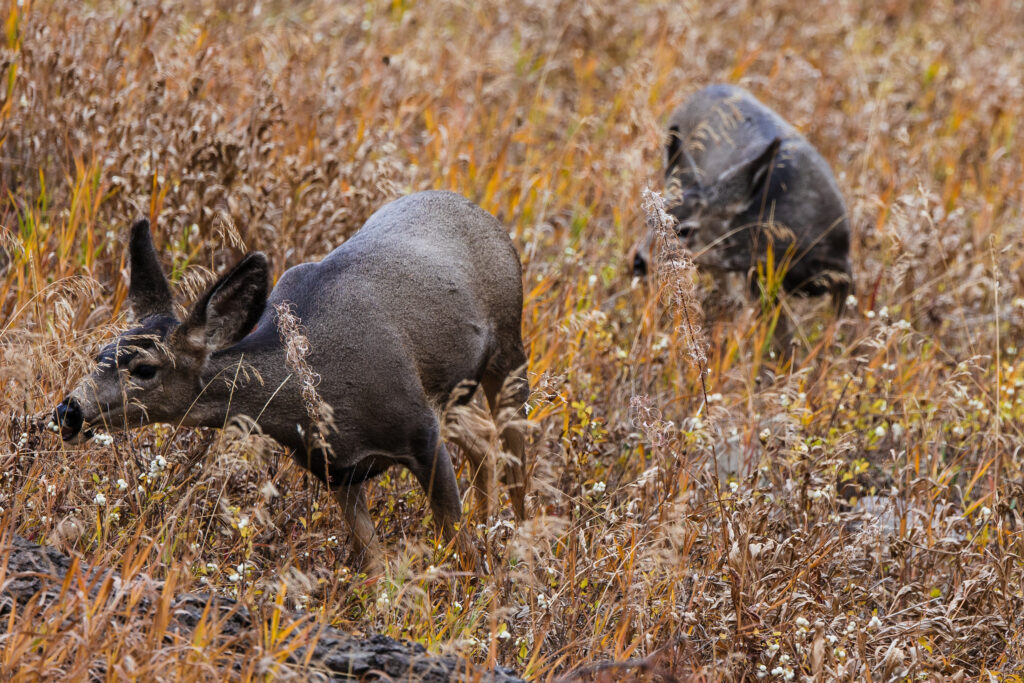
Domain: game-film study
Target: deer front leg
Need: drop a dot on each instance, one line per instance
(365, 547)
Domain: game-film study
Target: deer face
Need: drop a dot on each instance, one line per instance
(153, 373)
(706, 215)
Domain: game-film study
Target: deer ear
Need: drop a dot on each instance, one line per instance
(148, 290)
(745, 182)
(231, 307)
(759, 170)
(672, 149)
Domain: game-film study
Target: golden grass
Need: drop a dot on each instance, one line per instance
(281, 126)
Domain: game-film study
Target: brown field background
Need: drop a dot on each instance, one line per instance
(281, 126)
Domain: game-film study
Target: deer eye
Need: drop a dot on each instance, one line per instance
(143, 371)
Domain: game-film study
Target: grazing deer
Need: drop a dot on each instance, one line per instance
(427, 294)
(740, 179)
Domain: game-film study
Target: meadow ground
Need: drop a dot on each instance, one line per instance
(866, 523)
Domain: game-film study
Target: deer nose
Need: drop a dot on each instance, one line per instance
(68, 417)
(639, 266)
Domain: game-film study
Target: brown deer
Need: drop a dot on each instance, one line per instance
(427, 294)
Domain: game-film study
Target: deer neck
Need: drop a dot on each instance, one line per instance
(253, 382)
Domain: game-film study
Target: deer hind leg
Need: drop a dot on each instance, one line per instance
(433, 469)
(514, 474)
(473, 432)
(365, 547)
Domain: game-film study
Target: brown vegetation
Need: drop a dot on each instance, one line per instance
(863, 519)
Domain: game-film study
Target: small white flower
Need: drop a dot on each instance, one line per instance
(832, 640)
(503, 633)
(778, 671)
(599, 487)
(23, 440)
(383, 600)
(243, 522)
(114, 516)
(875, 622)
(211, 567)
(800, 621)
(762, 671)
(851, 301)
(51, 489)
(122, 485)
(957, 430)
(765, 435)
(784, 658)
(714, 398)
(457, 606)
(234, 577)
(103, 439)
(870, 315)
(734, 487)
(141, 489)
(880, 431)
(52, 426)
(100, 499)
(986, 512)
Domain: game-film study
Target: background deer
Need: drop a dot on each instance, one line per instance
(740, 180)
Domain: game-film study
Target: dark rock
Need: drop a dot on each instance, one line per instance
(35, 571)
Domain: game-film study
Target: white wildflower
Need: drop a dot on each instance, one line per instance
(103, 439)
(100, 499)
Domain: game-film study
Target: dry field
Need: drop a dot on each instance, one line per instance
(864, 519)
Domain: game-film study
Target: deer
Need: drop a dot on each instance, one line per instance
(425, 297)
(740, 180)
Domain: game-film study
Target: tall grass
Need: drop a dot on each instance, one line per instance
(867, 524)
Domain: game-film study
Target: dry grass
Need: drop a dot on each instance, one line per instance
(283, 126)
